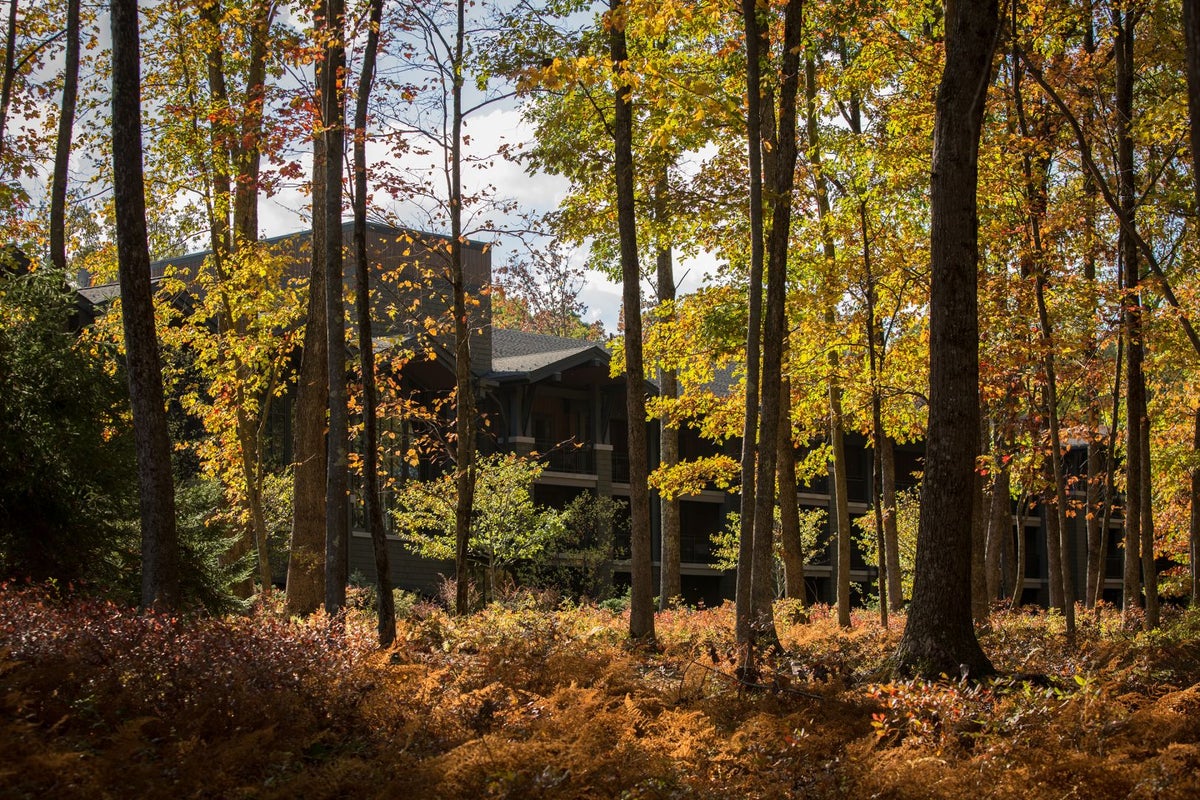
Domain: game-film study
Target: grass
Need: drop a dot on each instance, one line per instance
(522, 700)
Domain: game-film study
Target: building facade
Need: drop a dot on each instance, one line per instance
(555, 399)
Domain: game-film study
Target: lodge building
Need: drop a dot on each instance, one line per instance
(555, 397)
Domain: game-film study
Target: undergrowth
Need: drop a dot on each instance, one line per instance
(526, 699)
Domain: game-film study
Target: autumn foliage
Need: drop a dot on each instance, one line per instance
(528, 700)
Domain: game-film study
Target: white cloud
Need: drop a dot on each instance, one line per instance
(488, 130)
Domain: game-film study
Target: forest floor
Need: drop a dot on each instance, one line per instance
(532, 700)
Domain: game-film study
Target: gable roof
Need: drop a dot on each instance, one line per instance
(104, 292)
(520, 355)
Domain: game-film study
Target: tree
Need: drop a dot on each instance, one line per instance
(1035, 167)
(507, 527)
(789, 508)
(670, 582)
(306, 571)
(366, 345)
(939, 636)
(337, 510)
(10, 70)
(28, 39)
(228, 378)
(34, 64)
(431, 115)
(1135, 146)
(572, 111)
(67, 468)
(1191, 30)
(211, 68)
(464, 388)
(539, 292)
(859, 263)
(756, 32)
(306, 562)
(1138, 527)
(160, 559)
(62, 149)
(837, 476)
(641, 608)
(782, 163)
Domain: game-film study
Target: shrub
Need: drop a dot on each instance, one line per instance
(581, 565)
(67, 476)
(206, 676)
(506, 526)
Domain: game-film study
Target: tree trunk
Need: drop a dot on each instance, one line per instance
(1092, 515)
(464, 413)
(371, 498)
(670, 584)
(756, 38)
(160, 545)
(1110, 469)
(789, 509)
(1053, 558)
(248, 444)
(1036, 174)
(999, 525)
(1149, 569)
(875, 343)
(1094, 585)
(1131, 315)
(877, 505)
(839, 504)
(939, 636)
(1020, 556)
(979, 521)
(218, 162)
(1194, 530)
(891, 533)
(782, 179)
(1008, 558)
(248, 152)
(10, 75)
(641, 607)
(337, 522)
(1051, 530)
(1191, 28)
(62, 147)
(1061, 550)
(839, 509)
(306, 553)
(245, 159)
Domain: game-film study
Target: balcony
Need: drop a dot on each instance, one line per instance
(566, 457)
(620, 467)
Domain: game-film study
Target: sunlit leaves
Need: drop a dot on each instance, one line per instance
(230, 332)
(506, 524)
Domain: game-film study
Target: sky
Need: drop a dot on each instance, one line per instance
(489, 128)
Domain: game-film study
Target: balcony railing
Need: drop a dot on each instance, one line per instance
(620, 467)
(566, 457)
(561, 456)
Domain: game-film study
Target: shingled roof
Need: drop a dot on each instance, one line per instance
(518, 354)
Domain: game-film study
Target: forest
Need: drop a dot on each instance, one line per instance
(967, 231)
